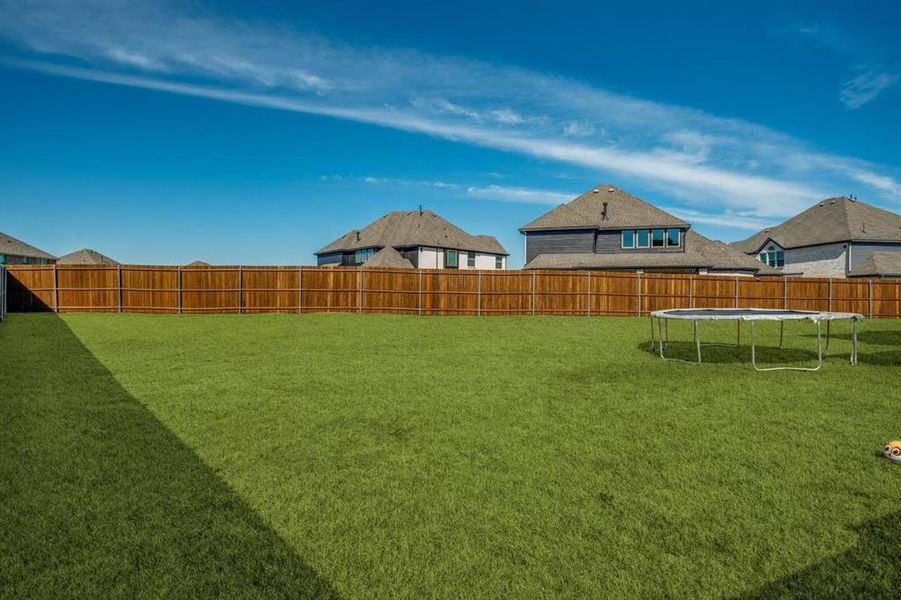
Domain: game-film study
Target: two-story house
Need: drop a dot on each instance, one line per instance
(609, 229)
(836, 237)
(17, 252)
(414, 239)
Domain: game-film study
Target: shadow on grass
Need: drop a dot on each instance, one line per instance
(98, 498)
(869, 570)
(881, 337)
(768, 355)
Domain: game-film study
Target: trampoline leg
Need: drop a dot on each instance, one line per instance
(819, 354)
(738, 333)
(660, 341)
(828, 325)
(653, 344)
(781, 335)
(697, 340)
(853, 341)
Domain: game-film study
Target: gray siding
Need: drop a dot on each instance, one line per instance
(558, 242)
(861, 250)
(332, 258)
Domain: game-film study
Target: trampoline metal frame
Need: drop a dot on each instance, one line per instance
(817, 318)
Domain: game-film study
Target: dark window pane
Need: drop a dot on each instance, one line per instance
(450, 259)
(657, 238)
(672, 237)
(498, 262)
(628, 238)
(471, 259)
(643, 236)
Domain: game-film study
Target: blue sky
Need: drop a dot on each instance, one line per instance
(163, 132)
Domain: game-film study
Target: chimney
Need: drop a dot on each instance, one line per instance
(604, 213)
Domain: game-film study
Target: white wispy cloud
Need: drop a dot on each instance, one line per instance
(518, 194)
(859, 90)
(713, 162)
(870, 77)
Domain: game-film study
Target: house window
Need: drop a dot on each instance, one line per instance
(498, 262)
(628, 238)
(471, 260)
(772, 257)
(2, 259)
(451, 259)
(657, 236)
(643, 236)
(361, 256)
(672, 238)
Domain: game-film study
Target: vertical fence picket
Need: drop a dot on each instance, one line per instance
(299, 290)
(588, 309)
(178, 287)
(240, 290)
(638, 295)
(479, 293)
(55, 288)
(119, 288)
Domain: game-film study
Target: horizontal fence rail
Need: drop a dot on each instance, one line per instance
(253, 289)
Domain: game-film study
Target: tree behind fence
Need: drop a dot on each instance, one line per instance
(250, 289)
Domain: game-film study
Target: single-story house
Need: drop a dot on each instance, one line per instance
(836, 237)
(86, 256)
(414, 239)
(17, 252)
(607, 228)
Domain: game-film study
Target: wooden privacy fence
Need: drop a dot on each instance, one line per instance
(250, 289)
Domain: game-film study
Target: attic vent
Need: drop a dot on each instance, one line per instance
(610, 189)
(596, 191)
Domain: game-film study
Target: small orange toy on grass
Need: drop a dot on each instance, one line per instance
(892, 451)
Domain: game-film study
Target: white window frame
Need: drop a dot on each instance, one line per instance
(678, 237)
(634, 239)
(637, 244)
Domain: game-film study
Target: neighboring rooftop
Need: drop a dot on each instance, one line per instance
(86, 256)
(198, 263)
(406, 229)
(832, 220)
(623, 210)
(700, 253)
(10, 246)
(878, 264)
(389, 257)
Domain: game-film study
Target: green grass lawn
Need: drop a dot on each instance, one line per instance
(380, 456)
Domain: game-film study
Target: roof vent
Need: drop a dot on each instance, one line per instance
(832, 202)
(358, 234)
(610, 189)
(604, 213)
(596, 191)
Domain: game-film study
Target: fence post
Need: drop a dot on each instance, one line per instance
(736, 291)
(691, 291)
(785, 293)
(55, 289)
(533, 293)
(830, 294)
(119, 288)
(479, 294)
(420, 291)
(240, 289)
(360, 291)
(178, 284)
(638, 282)
(589, 294)
(299, 290)
(869, 298)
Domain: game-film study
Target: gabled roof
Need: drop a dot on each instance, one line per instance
(832, 220)
(388, 257)
(404, 229)
(198, 263)
(10, 246)
(878, 264)
(86, 256)
(623, 210)
(700, 253)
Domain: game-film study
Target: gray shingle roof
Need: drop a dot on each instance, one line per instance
(878, 264)
(403, 229)
(828, 221)
(623, 210)
(700, 253)
(388, 257)
(86, 256)
(10, 246)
